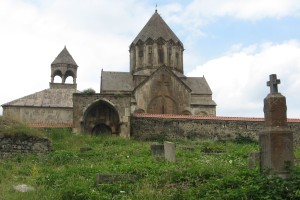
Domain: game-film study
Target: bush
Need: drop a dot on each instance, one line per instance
(89, 91)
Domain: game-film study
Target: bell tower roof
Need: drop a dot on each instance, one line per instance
(63, 66)
(64, 57)
(156, 28)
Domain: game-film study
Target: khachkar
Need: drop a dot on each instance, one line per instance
(276, 140)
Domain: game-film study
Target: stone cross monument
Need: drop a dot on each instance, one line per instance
(276, 140)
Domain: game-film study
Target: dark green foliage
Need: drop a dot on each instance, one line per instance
(89, 91)
(240, 139)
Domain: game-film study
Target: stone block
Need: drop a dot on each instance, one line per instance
(276, 151)
(253, 159)
(23, 188)
(114, 178)
(275, 110)
(170, 151)
(82, 149)
(157, 150)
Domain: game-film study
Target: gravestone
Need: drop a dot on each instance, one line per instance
(114, 178)
(253, 160)
(170, 151)
(157, 150)
(82, 149)
(23, 188)
(276, 140)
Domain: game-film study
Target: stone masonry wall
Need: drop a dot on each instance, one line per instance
(155, 128)
(45, 115)
(11, 145)
(82, 101)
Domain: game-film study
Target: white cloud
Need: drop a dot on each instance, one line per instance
(97, 34)
(238, 79)
(194, 16)
(250, 10)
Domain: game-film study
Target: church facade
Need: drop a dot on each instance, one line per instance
(155, 84)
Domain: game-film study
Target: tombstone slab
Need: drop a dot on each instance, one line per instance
(170, 151)
(23, 188)
(276, 140)
(82, 149)
(253, 159)
(114, 178)
(157, 150)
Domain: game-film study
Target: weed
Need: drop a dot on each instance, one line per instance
(68, 173)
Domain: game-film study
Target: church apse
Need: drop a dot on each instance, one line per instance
(101, 118)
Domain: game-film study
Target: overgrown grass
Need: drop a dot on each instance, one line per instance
(68, 173)
(12, 127)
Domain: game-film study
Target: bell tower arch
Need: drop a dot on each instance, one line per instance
(64, 66)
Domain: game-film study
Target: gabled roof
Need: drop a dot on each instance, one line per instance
(163, 67)
(64, 57)
(156, 28)
(116, 81)
(198, 85)
(46, 98)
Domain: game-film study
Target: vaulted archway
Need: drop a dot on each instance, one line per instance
(101, 117)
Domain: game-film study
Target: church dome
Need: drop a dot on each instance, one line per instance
(156, 28)
(156, 45)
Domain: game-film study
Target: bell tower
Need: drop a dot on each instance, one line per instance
(63, 66)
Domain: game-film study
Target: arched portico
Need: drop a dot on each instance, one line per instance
(101, 117)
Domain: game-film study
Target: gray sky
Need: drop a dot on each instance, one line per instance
(235, 44)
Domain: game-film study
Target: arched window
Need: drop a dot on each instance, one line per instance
(69, 77)
(150, 59)
(160, 54)
(57, 77)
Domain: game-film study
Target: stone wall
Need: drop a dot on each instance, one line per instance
(11, 145)
(46, 115)
(147, 128)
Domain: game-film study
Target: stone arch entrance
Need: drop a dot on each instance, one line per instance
(101, 117)
(101, 129)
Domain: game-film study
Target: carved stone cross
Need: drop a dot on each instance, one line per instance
(163, 82)
(273, 83)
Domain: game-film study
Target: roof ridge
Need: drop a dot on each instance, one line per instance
(155, 28)
(64, 57)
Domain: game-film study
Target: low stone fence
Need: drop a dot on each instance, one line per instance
(153, 127)
(12, 145)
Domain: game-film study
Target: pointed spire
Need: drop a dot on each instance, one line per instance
(156, 28)
(64, 57)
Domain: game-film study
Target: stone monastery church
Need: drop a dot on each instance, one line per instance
(155, 84)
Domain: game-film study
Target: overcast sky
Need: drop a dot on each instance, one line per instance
(235, 44)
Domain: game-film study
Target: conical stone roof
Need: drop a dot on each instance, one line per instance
(155, 28)
(64, 57)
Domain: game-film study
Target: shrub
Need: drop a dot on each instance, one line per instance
(89, 91)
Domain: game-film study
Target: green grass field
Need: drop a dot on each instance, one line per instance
(68, 173)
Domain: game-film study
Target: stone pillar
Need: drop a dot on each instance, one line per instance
(125, 124)
(276, 140)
